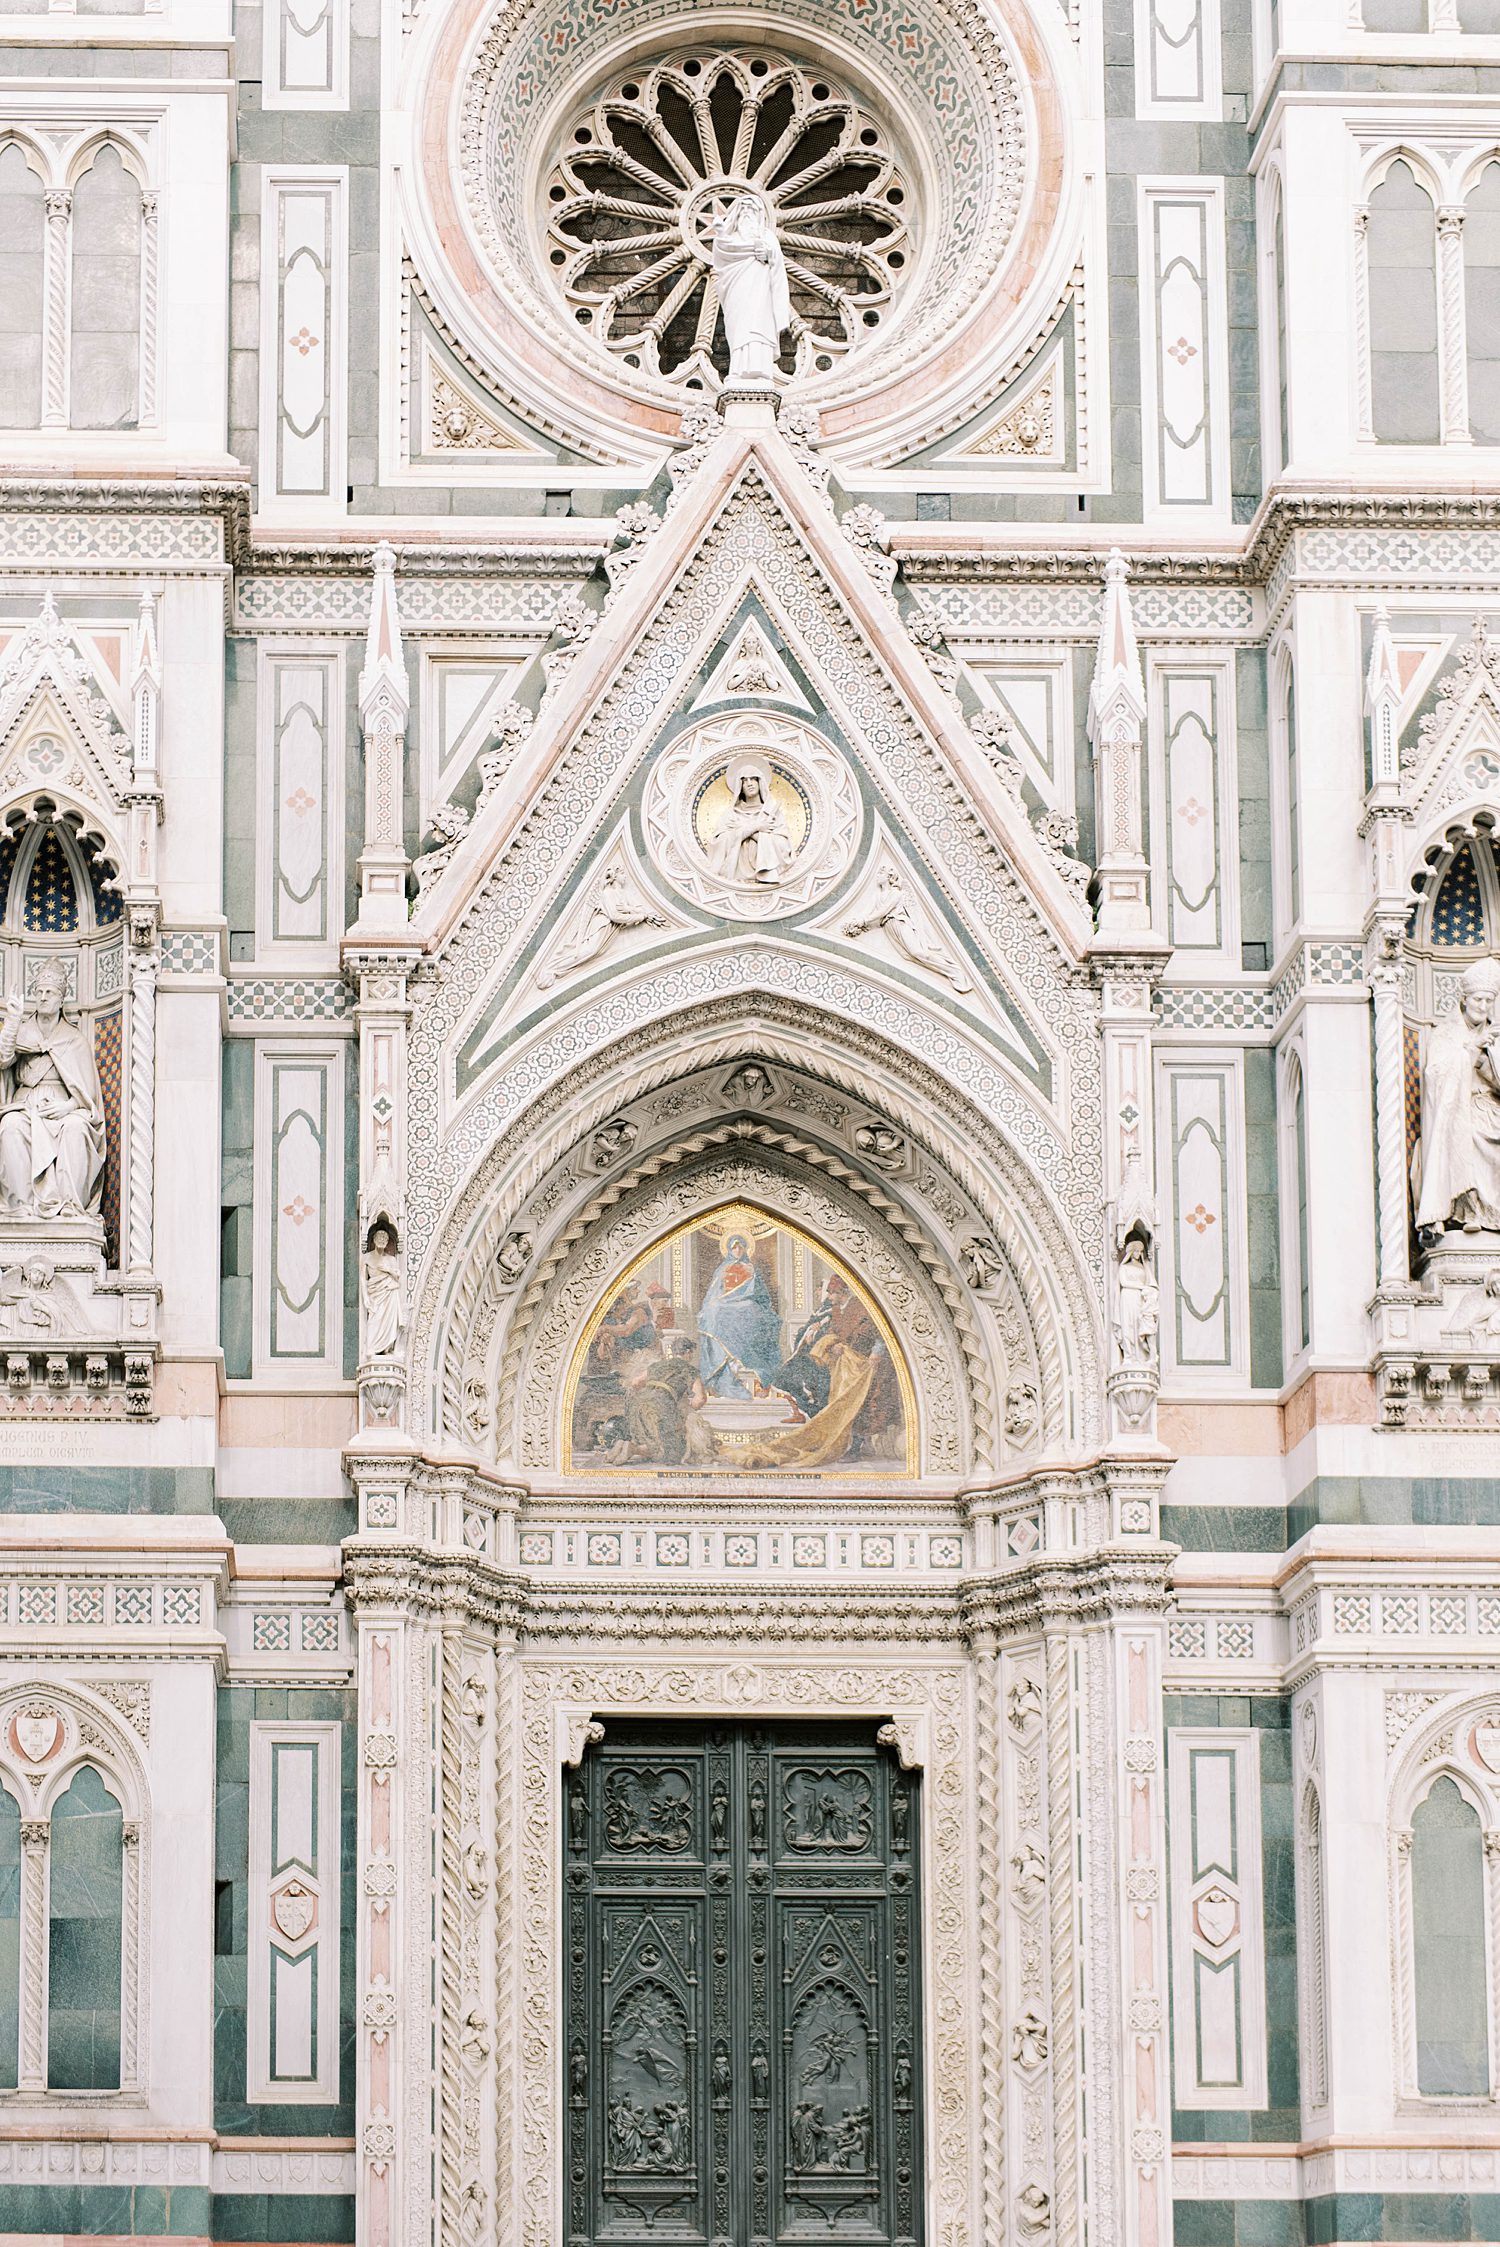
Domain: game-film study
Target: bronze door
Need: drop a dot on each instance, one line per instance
(743, 2036)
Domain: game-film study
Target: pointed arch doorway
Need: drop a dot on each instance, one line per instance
(742, 2044)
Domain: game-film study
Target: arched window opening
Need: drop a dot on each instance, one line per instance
(1482, 306)
(23, 259)
(1448, 1945)
(85, 1941)
(1401, 250)
(10, 1941)
(105, 345)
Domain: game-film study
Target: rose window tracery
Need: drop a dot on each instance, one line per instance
(654, 161)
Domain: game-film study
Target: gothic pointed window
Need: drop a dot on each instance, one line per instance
(1401, 249)
(1448, 1945)
(23, 224)
(104, 376)
(85, 1950)
(1482, 305)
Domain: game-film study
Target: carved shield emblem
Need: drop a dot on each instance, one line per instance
(1216, 1916)
(1487, 1745)
(36, 1734)
(294, 1908)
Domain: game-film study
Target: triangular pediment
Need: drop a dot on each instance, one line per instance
(60, 727)
(750, 528)
(1454, 763)
(857, 855)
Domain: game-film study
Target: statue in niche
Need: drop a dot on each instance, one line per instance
(380, 1288)
(1459, 1184)
(753, 842)
(1137, 1305)
(51, 1112)
(750, 274)
(1138, 1298)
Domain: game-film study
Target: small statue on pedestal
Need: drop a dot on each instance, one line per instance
(753, 295)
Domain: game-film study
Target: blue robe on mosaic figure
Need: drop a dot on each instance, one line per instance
(739, 1326)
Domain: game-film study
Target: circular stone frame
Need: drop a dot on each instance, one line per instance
(984, 103)
(812, 773)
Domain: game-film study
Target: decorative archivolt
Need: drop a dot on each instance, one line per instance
(960, 1207)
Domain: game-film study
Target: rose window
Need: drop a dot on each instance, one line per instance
(658, 158)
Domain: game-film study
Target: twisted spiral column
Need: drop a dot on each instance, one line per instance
(1390, 1126)
(1362, 323)
(1452, 356)
(59, 257)
(142, 1193)
(150, 294)
(1060, 1909)
(991, 1955)
(450, 1907)
(32, 2071)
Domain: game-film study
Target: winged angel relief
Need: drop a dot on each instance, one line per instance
(739, 1344)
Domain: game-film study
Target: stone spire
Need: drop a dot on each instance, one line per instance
(384, 701)
(1383, 702)
(1117, 718)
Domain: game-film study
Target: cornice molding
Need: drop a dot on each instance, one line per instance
(925, 560)
(1108, 1584)
(1103, 1585)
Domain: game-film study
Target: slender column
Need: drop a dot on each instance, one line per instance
(384, 700)
(1145, 2060)
(1452, 357)
(1116, 725)
(31, 2074)
(991, 1958)
(150, 289)
(1390, 1122)
(1492, 1903)
(59, 258)
(131, 2055)
(145, 964)
(380, 1960)
(1362, 324)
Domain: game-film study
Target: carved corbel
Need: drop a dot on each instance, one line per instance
(577, 1731)
(908, 1736)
